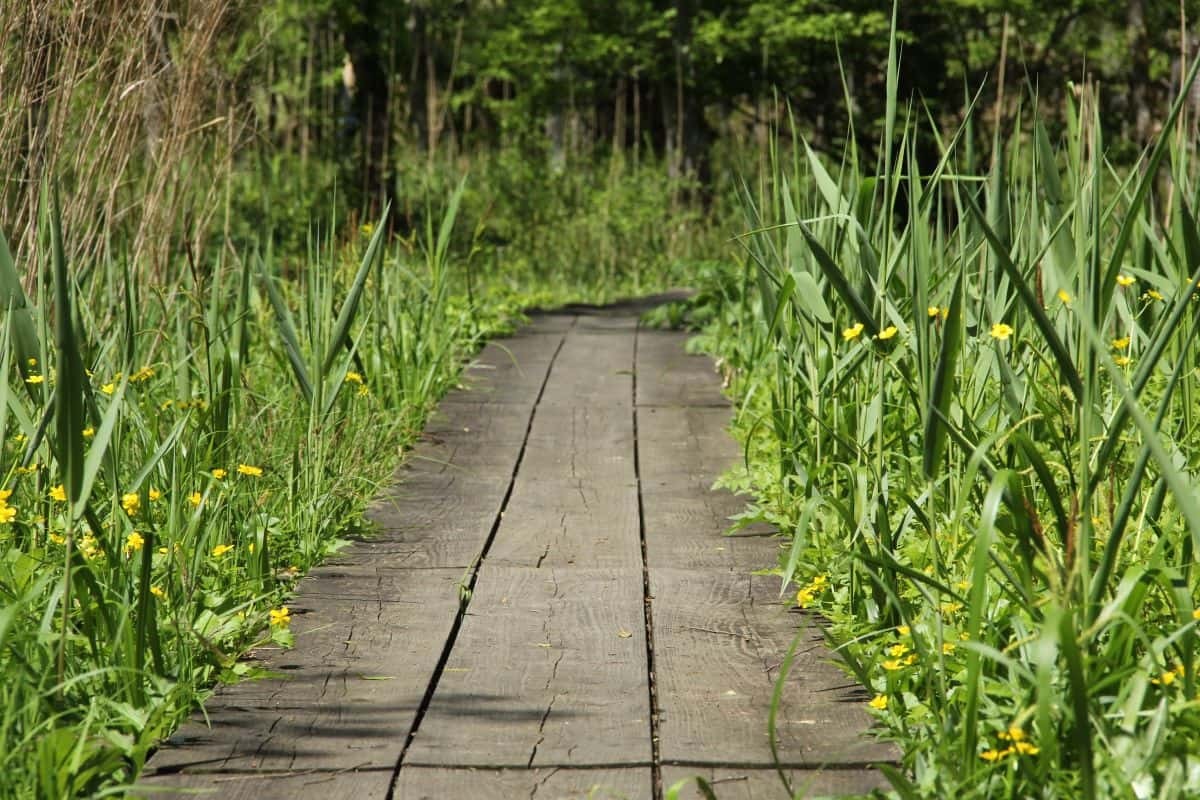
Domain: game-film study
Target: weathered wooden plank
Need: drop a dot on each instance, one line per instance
(292, 785)
(719, 639)
(561, 523)
(668, 375)
(479, 422)
(686, 529)
(549, 669)
(732, 783)
(431, 521)
(509, 371)
(550, 783)
(581, 442)
(593, 368)
(549, 322)
(468, 458)
(345, 697)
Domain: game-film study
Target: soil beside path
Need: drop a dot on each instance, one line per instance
(549, 610)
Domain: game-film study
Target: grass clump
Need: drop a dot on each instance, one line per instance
(173, 457)
(969, 396)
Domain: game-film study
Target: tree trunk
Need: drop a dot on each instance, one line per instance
(365, 46)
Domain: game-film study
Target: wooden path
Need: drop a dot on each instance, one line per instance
(550, 609)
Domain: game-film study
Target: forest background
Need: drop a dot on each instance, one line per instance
(237, 236)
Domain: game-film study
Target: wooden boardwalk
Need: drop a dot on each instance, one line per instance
(550, 609)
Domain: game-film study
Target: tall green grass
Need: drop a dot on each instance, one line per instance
(969, 395)
(174, 456)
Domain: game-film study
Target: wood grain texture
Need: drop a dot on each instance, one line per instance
(510, 371)
(719, 639)
(563, 523)
(550, 783)
(430, 521)
(594, 368)
(476, 422)
(669, 376)
(344, 697)
(686, 529)
(328, 784)
(581, 441)
(733, 783)
(549, 669)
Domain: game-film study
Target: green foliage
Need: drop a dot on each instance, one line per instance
(979, 423)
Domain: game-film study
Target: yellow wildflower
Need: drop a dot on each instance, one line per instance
(879, 703)
(904, 630)
(892, 664)
(58, 493)
(158, 592)
(1120, 344)
(354, 377)
(995, 755)
(951, 608)
(155, 494)
(162, 551)
(912, 659)
(131, 502)
(246, 469)
(1122, 361)
(1064, 296)
(853, 331)
(367, 228)
(88, 547)
(948, 648)
(1166, 679)
(805, 597)
(1027, 749)
(887, 333)
(134, 542)
(1013, 734)
(1001, 331)
(219, 473)
(1153, 294)
(32, 362)
(35, 379)
(58, 538)
(7, 514)
(221, 550)
(1125, 280)
(280, 617)
(933, 311)
(143, 374)
(1196, 614)
(194, 498)
(89, 432)
(897, 650)
(108, 388)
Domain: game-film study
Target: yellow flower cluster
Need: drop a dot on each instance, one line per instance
(808, 595)
(7, 512)
(1169, 676)
(1017, 745)
(133, 543)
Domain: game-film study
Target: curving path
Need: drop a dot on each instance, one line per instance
(549, 610)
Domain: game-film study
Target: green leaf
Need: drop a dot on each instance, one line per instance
(938, 412)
